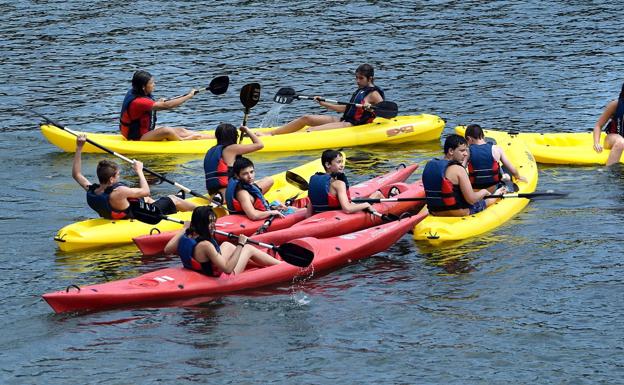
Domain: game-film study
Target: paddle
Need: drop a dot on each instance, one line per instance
(291, 253)
(267, 222)
(158, 175)
(383, 109)
(217, 86)
(249, 97)
(540, 195)
(297, 181)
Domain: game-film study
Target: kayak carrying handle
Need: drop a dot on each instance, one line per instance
(70, 286)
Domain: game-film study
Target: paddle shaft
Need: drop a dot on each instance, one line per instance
(194, 93)
(303, 97)
(519, 195)
(120, 156)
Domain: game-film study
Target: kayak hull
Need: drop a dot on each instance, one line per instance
(438, 230)
(100, 232)
(178, 284)
(154, 244)
(412, 128)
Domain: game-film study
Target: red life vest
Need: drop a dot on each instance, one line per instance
(215, 169)
(101, 202)
(357, 115)
(319, 194)
(134, 125)
(483, 169)
(616, 125)
(234, 206)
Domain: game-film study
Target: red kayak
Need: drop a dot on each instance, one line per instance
(180, 286)
(154, 244)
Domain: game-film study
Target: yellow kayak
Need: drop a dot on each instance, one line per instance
(437, 230)
(416, 128)
(102, 232)
(566, 148)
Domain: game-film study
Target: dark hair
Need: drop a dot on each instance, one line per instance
(106, 169)
(140, 80)
(328, 155)
(202, 218)
(453, 141)
(241, 164)
(366, 70)
(226, 134)
(621, 92)
(474, 131)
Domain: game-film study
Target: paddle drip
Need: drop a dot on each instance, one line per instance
(271, 118)
(296, 286)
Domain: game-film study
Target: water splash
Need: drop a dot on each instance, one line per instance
(271, 119)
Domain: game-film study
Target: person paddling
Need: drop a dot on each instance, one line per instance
(367, 94)
(137, 119)
(483, 164)
(199, 251)
(219, 159)
(244, 195)
(447, 184)
(613, 114)
(113, 199)
(330, 190)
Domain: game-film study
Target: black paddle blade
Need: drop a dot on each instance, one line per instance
(219, 85)
(295, 255)
(386, 109)
(543, 195)
(297, 180)
(250, 95)
(285, 95)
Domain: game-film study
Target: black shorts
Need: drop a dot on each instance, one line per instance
(166, 206)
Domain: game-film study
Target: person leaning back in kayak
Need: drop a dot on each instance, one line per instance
(137, 119)
(447, 185)
(220, 158)
(330, 190)
(613, 114)
(112, 199)
(484, 160)
(367, 94)
(244, 196)
(199, 251)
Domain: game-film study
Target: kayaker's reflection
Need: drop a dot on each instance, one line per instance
(199, 251)
(330, 190)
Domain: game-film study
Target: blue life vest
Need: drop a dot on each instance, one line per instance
(441, 193)
(234, 206)
(134, 129)
(318, 192)
(357, 115)
(186, 248)
(483, 169)
(215, 169)
(101, 202)
(616, 125)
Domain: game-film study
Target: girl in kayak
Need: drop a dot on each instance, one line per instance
(199, 251)
(219, 159)
(448, 189)
(112, 199)
(367, 93)
(484, 161)
(244, 196)
(138, 113)
(330, 190)
(613, 118)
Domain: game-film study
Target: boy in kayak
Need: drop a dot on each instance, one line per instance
(330, 190)
(244, 196)
(199, 251)
(219, 159)
(137, 119)
(483, 164)
(367, 94)
(612, 118)
(112, 199)
(447, 184)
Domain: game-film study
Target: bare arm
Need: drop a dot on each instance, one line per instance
(470, 196)
(77, 164)
(331, 106)
(348, 207)
(172, 245)
(373, 98)
(169, 104)
(246, 201)
(608, 112)
(230, 152)
(206, 251)
(143, 190)
(507, 163)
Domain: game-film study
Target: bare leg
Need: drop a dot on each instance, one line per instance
(329, 126)
(265, 184)
(191, 135)
(306, 120)
(181, 204)
(615, 143)
(162, 133)
(256, 255)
